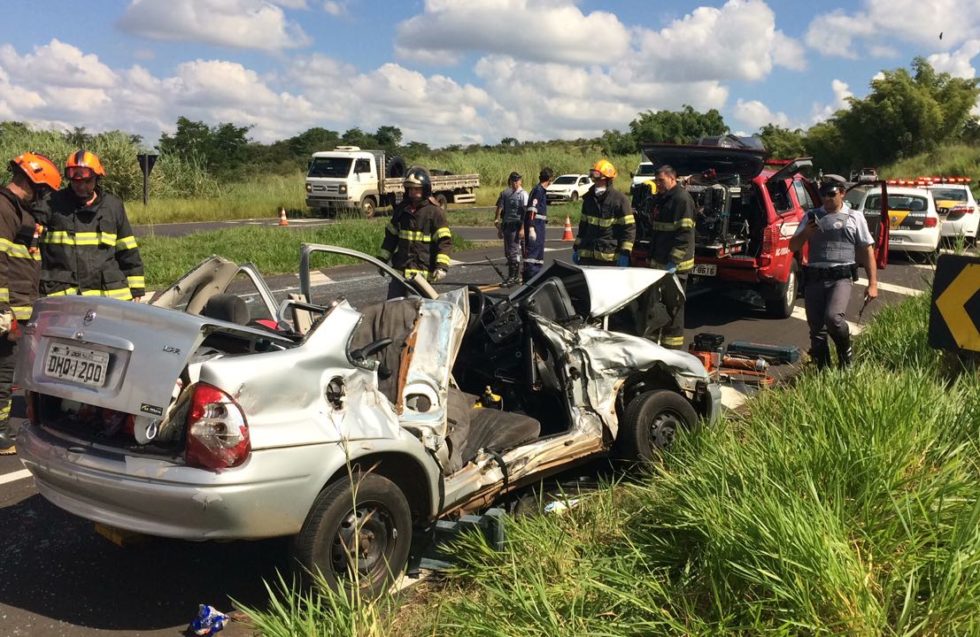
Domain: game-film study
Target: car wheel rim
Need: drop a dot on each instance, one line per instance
(363, 542)
(791, 289)
(663, 428)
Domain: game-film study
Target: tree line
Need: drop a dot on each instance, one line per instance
(907, 112)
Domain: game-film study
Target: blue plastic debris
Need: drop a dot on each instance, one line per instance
(208, 621)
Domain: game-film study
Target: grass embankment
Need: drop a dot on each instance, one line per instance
(954, 160)
(273, 250)
(844, 504)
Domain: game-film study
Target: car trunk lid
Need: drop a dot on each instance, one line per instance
(691, 160)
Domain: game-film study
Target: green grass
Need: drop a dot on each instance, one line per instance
(954, 161)
(273, 250)
(844, 504)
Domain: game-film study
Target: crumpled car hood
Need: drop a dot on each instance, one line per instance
(607, 289)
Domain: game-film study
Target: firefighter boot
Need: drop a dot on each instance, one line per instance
(844, 356)
(820, 355)
(513, 275)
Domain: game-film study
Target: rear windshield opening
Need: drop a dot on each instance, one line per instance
(898, 202)
(566, 179)
(949, 194)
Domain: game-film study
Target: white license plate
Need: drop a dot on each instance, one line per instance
(77, 364)
(705, 269)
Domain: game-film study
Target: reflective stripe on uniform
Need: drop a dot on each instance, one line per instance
(391, 229)
(684, 266)
(598, 221)
(672, 226)
(442, 259)
(136, 281)
(22, 312)
(672, 341)
(15, 250)
(5, 411)
(443, 232)
(122, 294)
(598, 256)
(63, 237)
(410, 272)
(384, 255)
(414, 235)
(626, 221)
(4, 295)
(534, 261)
(126, 243)
(627, 246)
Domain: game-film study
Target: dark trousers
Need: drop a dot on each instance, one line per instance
(826, 305)
(534, 250)
(512, 243)
(672, 336)
(8, 350)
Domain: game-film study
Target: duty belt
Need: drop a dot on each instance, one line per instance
(832, 273)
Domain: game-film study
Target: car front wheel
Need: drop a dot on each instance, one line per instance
(357, 534)
(650, 423)
(782, 297)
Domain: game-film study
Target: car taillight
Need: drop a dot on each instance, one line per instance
(217, 434)
(32, 416)
(931, 222)
(961, 210)
(769, 238)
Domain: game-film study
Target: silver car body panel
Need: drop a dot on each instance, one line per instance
(302, 433)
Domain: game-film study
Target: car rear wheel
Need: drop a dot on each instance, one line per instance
(650, 423)
(441, 201)
(574, 196)
(357, 534)
(782, 297)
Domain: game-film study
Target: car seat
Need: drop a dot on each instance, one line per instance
(226, 307)
(393, 319)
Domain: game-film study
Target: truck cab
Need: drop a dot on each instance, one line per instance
(345, 178)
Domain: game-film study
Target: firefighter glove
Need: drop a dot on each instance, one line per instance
(439, 275)
(623, 260)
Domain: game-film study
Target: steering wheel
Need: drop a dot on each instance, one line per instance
(478, 305)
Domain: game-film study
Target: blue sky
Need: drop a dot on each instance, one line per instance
(460, 71)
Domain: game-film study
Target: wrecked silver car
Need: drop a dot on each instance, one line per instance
(213, 414)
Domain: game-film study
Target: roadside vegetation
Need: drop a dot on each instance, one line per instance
(273, 250)
(844, 504)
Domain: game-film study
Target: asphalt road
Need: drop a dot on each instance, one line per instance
(58, 576)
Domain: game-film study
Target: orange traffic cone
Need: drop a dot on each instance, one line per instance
(283, 221)
(567, 235)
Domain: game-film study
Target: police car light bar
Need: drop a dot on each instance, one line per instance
(928, 181)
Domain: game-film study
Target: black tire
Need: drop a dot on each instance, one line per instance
(384, 538)
(782, 297)
(442, 201)
(574, 197)
(650, 423)
(395, 167)
(368, 207)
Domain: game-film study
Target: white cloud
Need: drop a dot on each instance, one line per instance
(248, 24)
(880, 24)
(841, 92)
(59, 64)
(738, 41)
(335, 8)
(959, 62)
(754, 115)
(535, 30)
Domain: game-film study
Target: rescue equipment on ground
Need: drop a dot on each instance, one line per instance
(775, 354)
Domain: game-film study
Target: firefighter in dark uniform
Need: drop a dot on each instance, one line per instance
(607, 228)
(417, 239)
(34, 176)
(535, 225)
(839, 241)
(88, 246)
(671, 215)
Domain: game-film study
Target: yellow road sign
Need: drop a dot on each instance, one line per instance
(955, 315)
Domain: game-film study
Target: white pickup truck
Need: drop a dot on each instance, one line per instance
(348, 178)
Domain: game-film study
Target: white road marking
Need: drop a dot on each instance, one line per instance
(15, 476)
(319, 278)
(800, 313)
(891, 287)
